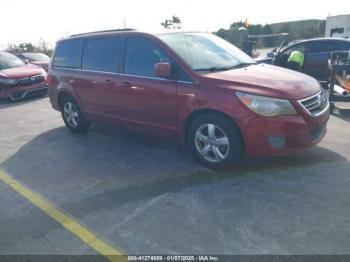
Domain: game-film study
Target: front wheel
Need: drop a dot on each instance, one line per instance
(215, 141)
(72, 116)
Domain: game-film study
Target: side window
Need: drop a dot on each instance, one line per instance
(182, 76)
(20, 56)
(141, 54)
(296, 47)
(102, 54)
(68, 54)
(316, 47)
(325, 46)
(284, 55)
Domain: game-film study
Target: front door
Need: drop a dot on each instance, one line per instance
(146, 100)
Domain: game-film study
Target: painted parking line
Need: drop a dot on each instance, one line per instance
(86, 235)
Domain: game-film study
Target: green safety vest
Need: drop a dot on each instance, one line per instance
(297, 57)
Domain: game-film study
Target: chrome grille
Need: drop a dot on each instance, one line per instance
(27, 81)
(30, 80)
(316, 104)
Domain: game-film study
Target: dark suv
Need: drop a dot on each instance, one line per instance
(192, 87)
(317, 53)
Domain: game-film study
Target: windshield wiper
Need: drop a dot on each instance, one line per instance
(242, 65)
(212, 69)
(215, 69)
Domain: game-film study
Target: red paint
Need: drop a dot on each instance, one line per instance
(44, 65)
(16, 73)
(162, 107)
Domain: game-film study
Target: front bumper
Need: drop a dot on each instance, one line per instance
(21, 92)
(282, 135)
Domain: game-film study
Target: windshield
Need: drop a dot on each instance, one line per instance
(206, 52)
(8, 60)
(36, 57)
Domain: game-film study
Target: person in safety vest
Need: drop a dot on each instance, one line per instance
(296, 60)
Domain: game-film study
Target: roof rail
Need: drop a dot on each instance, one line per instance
(105, 31)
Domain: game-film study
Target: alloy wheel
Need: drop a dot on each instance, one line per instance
(212, 142)
(71, 114)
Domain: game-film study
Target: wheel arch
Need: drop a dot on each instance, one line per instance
(193, 115)
(61, 96)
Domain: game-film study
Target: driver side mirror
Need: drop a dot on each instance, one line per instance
(163, 69)
(26, 61)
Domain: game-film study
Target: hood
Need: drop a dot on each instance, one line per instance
(266, 80)
(21, 72)
(40, 63)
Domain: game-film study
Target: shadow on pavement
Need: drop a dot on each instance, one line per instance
(122, 184)
(128, 160)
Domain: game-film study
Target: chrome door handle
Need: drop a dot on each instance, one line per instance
(109, 82)
(125, 84)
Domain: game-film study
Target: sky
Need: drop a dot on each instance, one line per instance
(30, 21)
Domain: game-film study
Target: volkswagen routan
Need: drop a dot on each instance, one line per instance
(186, 86)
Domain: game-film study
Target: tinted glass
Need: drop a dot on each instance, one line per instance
(68, 54)
(102, 54)
(20, 56)
(324, 46)
(182, 76)
(300, 47)
(141, 54)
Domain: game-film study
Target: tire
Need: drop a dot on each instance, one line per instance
(215, 141)
(73, 116)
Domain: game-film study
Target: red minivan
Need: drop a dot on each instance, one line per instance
(191, 87)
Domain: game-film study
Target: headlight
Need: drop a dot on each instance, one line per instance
(43, 72)
(7, 81)
(266, 106)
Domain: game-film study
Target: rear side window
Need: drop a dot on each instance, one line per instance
(325, 46)
(102, 54)
(141, 54)
(68, 54)
(300, 47)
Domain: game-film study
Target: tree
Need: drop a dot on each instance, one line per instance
(42, 47)
(12, 48)
(167, 24)
(295, 29)
(322, 28)
(174, 23)
(27, 47)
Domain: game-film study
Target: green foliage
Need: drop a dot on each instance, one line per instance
(297, 30)
(174, 23)
(42, 47)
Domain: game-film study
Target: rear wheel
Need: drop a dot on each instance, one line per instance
(72, 116)
(215, 141)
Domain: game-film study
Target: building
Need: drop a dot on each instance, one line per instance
(338, 26)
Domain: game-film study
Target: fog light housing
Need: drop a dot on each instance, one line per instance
(277, 142)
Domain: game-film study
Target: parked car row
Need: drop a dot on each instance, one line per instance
(191, 87)
(39, 59)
